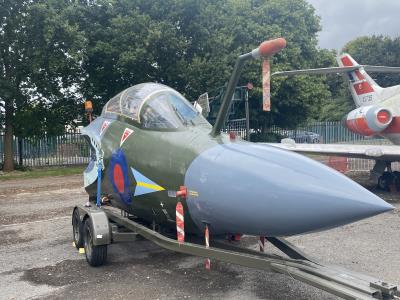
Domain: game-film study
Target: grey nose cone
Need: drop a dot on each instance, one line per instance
(261, 190)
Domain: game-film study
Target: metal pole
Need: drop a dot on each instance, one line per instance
(98, 198)
(265, 50)
(230, 89)
(247, 115)
(20, 149)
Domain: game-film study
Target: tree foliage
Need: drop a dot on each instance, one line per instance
(41, 51)
(39, 67)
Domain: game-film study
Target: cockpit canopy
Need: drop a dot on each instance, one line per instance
(154, 106)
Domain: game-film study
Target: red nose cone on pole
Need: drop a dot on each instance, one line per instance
(269, 48)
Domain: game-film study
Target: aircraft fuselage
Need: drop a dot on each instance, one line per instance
(232, 186)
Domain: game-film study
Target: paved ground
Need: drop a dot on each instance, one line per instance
(37, 259)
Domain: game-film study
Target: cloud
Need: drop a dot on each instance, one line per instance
(344, 20)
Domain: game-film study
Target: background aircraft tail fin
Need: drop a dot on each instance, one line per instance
(364, 89)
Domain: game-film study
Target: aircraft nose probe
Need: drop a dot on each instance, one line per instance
(265, 50)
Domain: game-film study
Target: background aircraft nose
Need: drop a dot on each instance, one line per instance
(258, 189)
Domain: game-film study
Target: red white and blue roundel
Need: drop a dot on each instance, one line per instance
(118, 175)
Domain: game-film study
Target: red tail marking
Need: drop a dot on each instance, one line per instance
(363, 88)
(359, 75)
(346, 61)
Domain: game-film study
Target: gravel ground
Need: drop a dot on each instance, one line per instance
(38, 261)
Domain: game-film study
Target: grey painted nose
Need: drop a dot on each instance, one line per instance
(262, 190)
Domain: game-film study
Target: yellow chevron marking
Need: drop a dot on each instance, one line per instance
(150, 186)
(193, 193)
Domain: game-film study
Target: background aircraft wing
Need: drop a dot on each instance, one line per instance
(376, 152)
(338, 70)
(317, 71)
(381, 69)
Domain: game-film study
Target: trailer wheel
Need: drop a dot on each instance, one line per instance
(396, 175)
(95, 255)
(77, 229)
(385, 181)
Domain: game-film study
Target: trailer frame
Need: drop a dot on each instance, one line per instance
(335, 280)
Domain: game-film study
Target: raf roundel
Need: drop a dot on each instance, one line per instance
(118, 175)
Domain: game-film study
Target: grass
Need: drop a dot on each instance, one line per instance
(42, 172)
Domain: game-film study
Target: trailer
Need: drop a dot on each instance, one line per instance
(94, 228)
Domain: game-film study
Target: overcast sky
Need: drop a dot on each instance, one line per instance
(343, 20)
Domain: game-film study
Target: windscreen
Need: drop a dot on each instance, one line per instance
(166, 110)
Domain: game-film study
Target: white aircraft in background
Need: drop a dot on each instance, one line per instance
(377, 113)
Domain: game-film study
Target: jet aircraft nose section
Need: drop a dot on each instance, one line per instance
(262, 190)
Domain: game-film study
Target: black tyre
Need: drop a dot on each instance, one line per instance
(95, 255)
(396, 175)
(385, 181)
(77, 229)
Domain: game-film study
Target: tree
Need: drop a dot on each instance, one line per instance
(41, 51)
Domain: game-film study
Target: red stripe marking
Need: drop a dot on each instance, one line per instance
(262, 241)
(207, 240)
(346, 61)
(208, 264)
(338, 163)
(359, 75)
(362, 126)
(237, 237)
(363, 88)
(180, 223)
(359, 126)
(394, 126)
